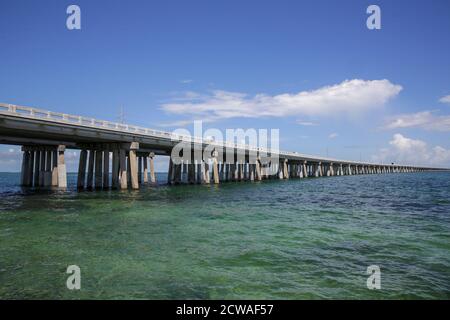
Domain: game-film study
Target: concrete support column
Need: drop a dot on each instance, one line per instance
(115, 169)
(246, 171)
(305, 171)
(171, 171)
(41, 168)
(191, 169)
(82, 169)
(152, 168)
(25, 164)
(177, 173)
(285, 169)
(30, 169)
(98, 169)
(106, 169)
(199, 172)
(206, 174)
(251, 168)
(222, 172)
(133, 166)
(240, 171)
(62, 171)
(139, 163)
(48, 169)
(145, 164)
(54, 168)
(90, 176)
(37, 165)
(215, 165)
(236, 171)
(258, 170)
(184, 175)
(123, 174)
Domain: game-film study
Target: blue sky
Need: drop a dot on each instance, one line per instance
(327, 82)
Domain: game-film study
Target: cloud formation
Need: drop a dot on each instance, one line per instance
(333, 135)
(445, 99)
(306, 123)
(348, 97)
(403, 150)
(425, 120)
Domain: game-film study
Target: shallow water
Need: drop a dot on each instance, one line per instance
(296, 239)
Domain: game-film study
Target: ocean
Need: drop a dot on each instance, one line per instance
(293, 239)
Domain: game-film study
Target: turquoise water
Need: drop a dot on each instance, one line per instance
(296, 239)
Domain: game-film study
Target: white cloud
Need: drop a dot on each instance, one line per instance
(425, 119)
(306, 123)
(186, 81)
(348, 97)
(333, 135)
(445, 99)
(403, 150)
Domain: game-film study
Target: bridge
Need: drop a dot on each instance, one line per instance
(46, 135)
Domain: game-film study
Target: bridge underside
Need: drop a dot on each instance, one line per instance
(126, 165)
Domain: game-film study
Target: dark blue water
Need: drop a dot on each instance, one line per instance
(296, 239)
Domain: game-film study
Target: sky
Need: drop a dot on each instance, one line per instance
(311, 69)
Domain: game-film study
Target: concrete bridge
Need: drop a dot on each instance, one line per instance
(45, 135)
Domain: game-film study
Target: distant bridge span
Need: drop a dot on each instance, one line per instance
(44, 136)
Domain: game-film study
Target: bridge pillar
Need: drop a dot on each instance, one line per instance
(82, 169)
(305, 170)
(191, 169)
(106, 169)
(280, 171)
(246, 171)
(240, 171)
(236, 171)
(199, 173)
(170, 172)
(206, 174)
(37, 159)
(54, 155)
(41, 168)
(226, 173)
(258, 170)
(98, 169)
(62, 171)
(139, 166)
(48, 169)
(25, 165)
(133, 166)
(115, 169)
(31, 169)
(145, 164)
(251, 167)
(285, 169)
(215, 169)
(90, 173)
(123, 174)
(184, 173)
